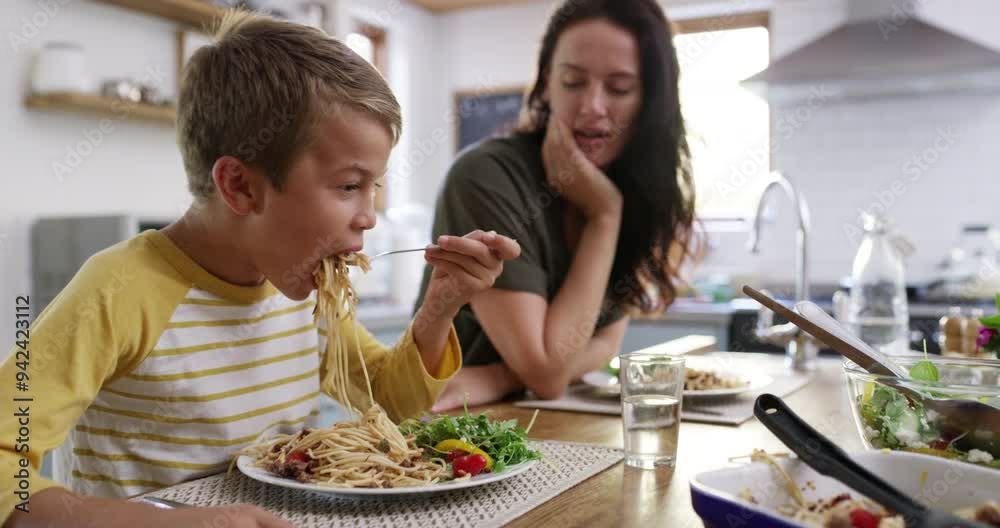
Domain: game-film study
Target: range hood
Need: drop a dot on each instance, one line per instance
(880, 50)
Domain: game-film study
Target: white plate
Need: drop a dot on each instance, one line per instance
(245, 464)
(755, 383)
(604, 383)
(939, 482)
(607, 384)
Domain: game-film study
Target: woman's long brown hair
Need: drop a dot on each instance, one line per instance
(653, 171)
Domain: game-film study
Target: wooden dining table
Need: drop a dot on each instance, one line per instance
(627, 497)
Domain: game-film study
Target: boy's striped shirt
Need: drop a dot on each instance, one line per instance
(158, 372)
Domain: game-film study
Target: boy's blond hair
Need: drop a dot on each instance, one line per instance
(259, 91)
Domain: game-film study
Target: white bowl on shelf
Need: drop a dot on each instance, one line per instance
(61, 67)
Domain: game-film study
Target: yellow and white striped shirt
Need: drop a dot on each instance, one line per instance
(154, 372)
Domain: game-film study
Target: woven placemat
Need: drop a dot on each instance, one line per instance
(564, 465)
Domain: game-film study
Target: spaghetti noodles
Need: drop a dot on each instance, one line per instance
(367, 452)
(336, 300)
(843, 510)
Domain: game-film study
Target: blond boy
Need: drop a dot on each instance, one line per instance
(170, 351)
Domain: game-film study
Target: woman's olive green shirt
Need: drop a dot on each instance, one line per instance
(500, 185)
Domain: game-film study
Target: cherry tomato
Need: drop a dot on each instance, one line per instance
(861, 518)
(453, 444)
(297, 456)
(450, 457)
(470, 465)
(939, 444)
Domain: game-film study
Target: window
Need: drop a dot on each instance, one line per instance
(369, 42)
(728, 126)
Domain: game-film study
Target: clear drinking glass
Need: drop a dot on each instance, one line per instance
(652, 386)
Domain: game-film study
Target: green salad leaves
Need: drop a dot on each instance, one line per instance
(503, 441)
(896, 422)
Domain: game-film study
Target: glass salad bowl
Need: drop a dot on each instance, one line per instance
(886, 419)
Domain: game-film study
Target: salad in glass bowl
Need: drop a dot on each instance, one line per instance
(888, 419)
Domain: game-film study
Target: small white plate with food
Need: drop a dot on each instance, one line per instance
(698, 383)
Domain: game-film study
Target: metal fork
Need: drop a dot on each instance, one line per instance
(393, 252)
(166, 504)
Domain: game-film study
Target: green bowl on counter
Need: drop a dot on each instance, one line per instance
(886, 419)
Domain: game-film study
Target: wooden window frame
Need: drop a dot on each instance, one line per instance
(722, 22)
(380, 59)
(725, 22)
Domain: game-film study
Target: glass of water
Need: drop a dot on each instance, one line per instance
(652, 386)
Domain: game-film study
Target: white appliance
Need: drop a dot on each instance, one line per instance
(60, 245)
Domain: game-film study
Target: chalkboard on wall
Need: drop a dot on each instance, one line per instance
(481, 114)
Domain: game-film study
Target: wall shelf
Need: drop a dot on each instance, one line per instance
(108, 106)
(199, 14)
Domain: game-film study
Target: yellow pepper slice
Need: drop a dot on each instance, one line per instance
(452, 444)
(867, 391)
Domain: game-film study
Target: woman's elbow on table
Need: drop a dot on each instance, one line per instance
(546, 380)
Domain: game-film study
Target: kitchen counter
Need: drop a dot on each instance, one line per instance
(688, 309)
(731, 323)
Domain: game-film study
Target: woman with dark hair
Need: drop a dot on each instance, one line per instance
(596, 187)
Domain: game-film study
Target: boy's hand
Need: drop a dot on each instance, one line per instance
(61, 507)
(236, 516)
(464, 266)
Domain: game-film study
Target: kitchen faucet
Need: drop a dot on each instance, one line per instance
(800, 348)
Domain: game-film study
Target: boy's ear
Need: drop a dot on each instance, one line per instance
(235, 184)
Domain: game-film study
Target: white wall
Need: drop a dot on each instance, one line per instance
(478, 49)
(135, 167)
(843, 156)
(416, 60)
(848, 156)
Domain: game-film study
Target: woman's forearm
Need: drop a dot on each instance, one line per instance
(573, 313)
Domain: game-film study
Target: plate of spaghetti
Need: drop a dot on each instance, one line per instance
(369, 454)
(369, 457)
